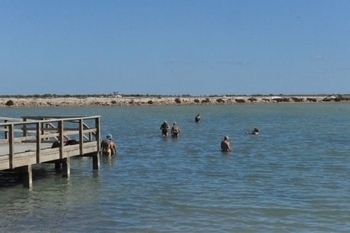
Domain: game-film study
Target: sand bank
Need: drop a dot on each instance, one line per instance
(135, 101)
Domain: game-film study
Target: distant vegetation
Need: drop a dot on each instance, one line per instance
(44, 96)
(115, 94)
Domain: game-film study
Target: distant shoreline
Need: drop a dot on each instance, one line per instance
(161, 100)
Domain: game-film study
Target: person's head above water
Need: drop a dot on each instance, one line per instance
(109, 136)
(174, 123)
(226, 138)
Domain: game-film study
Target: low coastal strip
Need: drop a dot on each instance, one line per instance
(118, 100)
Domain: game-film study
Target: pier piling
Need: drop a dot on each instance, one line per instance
(27, 176)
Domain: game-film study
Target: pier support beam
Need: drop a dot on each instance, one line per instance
(58, 166)
(27, 176)
(96, 161)
(66, 167)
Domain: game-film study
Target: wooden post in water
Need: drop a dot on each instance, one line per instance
(66, 167)
(58, 166)
(96, 156)
(96, 161)
(27, 176)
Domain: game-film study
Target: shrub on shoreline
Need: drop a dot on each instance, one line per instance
(178, 100)
(9, 103)
(253, 99)
(240, 100)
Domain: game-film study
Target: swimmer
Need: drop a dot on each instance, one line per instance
(254, 132)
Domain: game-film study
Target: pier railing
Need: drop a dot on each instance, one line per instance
(29, 140)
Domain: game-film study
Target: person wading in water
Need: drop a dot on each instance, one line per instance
(175, 130)
(225, 144)
(108, 147)
(197, 118)
(164, 128)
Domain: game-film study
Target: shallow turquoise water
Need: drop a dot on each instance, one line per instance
(293, 177)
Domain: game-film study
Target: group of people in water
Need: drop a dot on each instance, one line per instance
(108, 147)
(175, 130)
(225, 144)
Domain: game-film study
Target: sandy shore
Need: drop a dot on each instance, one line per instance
(134, 101)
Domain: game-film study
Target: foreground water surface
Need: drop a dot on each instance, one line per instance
(293, 177)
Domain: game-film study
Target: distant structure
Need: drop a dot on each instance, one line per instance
(116, 95)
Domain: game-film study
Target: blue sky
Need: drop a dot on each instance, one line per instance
(175, 47)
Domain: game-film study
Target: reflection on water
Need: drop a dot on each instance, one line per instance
(289, 178)
(108, 160)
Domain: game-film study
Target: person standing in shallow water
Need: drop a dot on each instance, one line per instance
(108, 147)
(175, 130)
(225, 144)
(197, 118)
(164, 128)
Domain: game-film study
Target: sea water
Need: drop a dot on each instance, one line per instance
(292, 177)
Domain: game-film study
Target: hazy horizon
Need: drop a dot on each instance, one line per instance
(156, 95)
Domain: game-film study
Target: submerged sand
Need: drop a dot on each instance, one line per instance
(135, 101)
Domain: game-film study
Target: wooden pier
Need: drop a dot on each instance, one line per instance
(29, 140)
